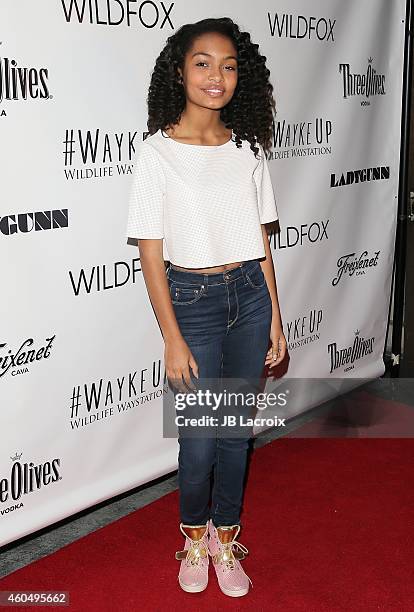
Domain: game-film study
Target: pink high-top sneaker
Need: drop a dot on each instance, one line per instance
(193, 574)
(230, 575)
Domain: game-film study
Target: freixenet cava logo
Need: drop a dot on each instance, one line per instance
(24, 223)
(25, 478)
(22, 83)
(365, 85)
(349, 264)
(17, 362)
(350, 354)
(147, 14)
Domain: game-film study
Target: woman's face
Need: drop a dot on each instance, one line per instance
(210, 71)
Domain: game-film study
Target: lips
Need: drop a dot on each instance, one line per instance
(214, 91)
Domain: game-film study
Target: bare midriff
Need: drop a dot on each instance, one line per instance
(212, 270)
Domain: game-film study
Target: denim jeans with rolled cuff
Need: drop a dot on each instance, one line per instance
(225, 319)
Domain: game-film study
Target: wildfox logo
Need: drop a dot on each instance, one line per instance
(115, 12)
(297, 26)
(306, 233)
(103, 277)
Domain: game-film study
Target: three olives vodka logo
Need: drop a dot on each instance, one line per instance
(24, 478)
(21, 82)
(368, 84)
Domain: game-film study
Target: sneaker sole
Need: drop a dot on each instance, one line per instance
(238, 593)
(192, 588)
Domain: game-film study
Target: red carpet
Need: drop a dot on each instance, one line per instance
(328, 523)
(360, 414)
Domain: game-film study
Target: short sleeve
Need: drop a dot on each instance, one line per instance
(146, 198)
(265, 195)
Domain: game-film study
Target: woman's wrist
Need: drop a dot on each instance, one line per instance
(276, 320)
(171, 337)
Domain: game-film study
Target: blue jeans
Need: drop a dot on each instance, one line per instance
(225, 319)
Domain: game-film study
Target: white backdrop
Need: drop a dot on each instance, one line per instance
(81, 353)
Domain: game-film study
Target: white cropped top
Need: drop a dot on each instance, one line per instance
(207, 202)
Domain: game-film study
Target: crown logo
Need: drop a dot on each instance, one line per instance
(16, 457)
(370, 60)
(356, 332)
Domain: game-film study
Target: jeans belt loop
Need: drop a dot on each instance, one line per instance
(243, 273)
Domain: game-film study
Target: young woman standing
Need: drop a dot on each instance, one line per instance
(200, 199)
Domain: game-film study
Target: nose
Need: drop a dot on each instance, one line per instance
(215, 80)
(215, 75)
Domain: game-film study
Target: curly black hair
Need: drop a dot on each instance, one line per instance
(250, 111)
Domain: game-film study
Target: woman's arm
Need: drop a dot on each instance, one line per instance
(153, 269)
(277, 352)
(178, 356)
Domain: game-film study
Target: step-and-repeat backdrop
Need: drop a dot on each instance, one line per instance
(81, 354)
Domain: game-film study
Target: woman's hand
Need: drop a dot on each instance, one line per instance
(277, 351)
(178, 359)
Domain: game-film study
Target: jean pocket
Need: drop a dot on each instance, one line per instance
(256, 278)
(185, 293)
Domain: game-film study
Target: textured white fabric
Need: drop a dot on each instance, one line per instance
(206, 202)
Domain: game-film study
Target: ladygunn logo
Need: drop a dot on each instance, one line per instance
(24, 223)
(21, 83)
(378, 173)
